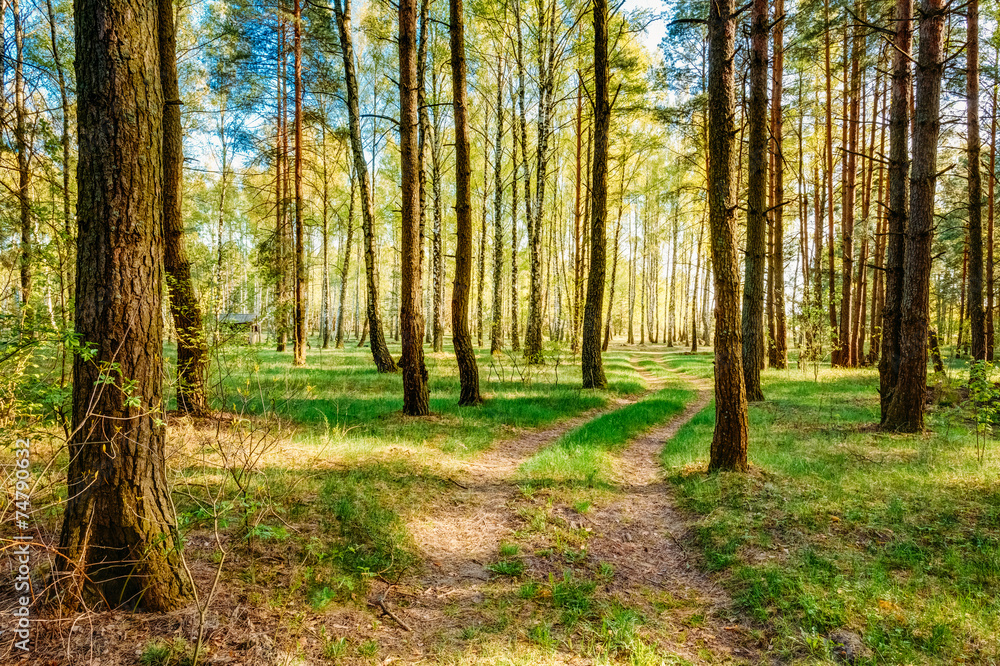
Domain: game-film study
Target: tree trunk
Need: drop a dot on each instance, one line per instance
(780, 360)
(834, 342)
(192, 348)
(438, 240)
(380, 353)
(977, 317)
(897, 213)
(339, 343)
(729, 442)
(300, 259)
(990, 189)
(906, 412)
(591, 362)
(118, 536)
(753, 285)
(23, 176)
(496, 331)
(415, 395)
(614, 261)
(465, 355)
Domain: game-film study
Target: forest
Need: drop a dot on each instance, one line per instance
(519, 332)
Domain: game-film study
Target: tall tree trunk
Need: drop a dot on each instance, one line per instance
(614, 261)
(415, 395)
(438, 239)
(671, 308)
(977, 317)
(65, 142)
(574, 344)
(753, 285)
(780, 360)
(990, 190)
(694, 292)
(962, 309)
(300, 255)
(23, 175)
(496, 332)
(835, 342)
(281, 193)
(729, 442)
(465, 355)
(119, 539)
(897, 213)
(192, 348)
(383, 360)
(906, 412)
(481, 256)
(591, 361)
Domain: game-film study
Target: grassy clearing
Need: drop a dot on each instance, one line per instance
(842, 527)
(584, 454)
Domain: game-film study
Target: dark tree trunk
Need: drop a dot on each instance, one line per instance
(23, 176)
(437, 239)
(729, 443)
(383, 360)
(415, 395)
(906, 412)
(614, 260)
(192, 348)
(897, 210)
(465, 355)
(592, 366)
(990, 206)
(977, 317)
(339, 343)
(753, 286)
(118, 537)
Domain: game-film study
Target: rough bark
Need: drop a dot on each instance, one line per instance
(415, 394)
(380, 353)
(729, 442)
(990, 208)
(339, 343)
(118, 536)
(897, 210)
(437, 261)
(65, 141)
(906, 411)
(753, 285)
(496, 328)
(192, 347)
(590, 351)
(977, 316)
(23, 176)
(777, 280)
(465, 355)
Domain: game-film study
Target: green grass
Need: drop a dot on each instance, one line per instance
(841, 526)
(583, 455)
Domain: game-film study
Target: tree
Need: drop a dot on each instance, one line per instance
(592, 367)
(300, 261)
(906, 411)
(415, 395)
(465, 355)
(118, 536)
(192, 348)
(729, 442)
(380, 352)
(756, 249)
(896, 215)
(977, 316)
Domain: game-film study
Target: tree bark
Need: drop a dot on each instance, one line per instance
(990, 206)
(591, 361)
(977, 317)
(897, 212)
(906, 411)
(780, 360)
(465, 355)
(300, 258)
(753, 285)
(729, 442)
(415, 394)
(496, 330)
(339, 343)
(380, 353)
(192, 347)
(23, 177)
(119, 538)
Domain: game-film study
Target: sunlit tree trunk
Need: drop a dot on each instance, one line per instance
(496, 329)
(780, 359)
(300, 258)
(977, 317)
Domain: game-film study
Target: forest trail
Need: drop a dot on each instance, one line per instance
(634, 528)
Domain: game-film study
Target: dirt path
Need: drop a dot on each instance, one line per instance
(636, 531)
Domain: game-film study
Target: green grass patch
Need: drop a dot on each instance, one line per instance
(840, 526)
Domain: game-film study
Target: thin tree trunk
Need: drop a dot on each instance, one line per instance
(23, 176)
(192, 348)
(468, 371)
(906, 412)
(991, 181)
(383, 360)
(300, 260)
(496, 332)
(339, 343)
(780, 360)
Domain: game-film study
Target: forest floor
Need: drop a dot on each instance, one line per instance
(560, 526)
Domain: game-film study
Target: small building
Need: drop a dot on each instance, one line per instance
(234, 323)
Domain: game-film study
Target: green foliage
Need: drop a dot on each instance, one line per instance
(161, 652)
